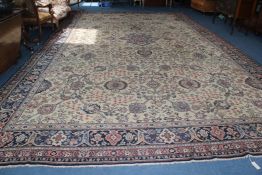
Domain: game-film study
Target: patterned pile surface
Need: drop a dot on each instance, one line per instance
(126, 88)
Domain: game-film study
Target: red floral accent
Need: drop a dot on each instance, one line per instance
(113, 138)
(5, 137)
(2, 125)
(217, 132)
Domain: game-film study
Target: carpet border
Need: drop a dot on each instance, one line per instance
(51, 41)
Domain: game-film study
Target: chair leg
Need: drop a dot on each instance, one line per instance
(53, 25)
(233, 27)
(232, 30)
(225, 19)
(214, 18)
(232, 21)
(57, 24)
(26, 39)
(40, 32)
(246, 32)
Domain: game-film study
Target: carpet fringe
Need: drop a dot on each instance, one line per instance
(130, 165)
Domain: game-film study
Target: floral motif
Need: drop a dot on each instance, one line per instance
(217, 132)
(22, 138)
(115, 85)
(144, 52)
(129, 137)
(44, 86)
(189, 84)
(91, 108)
(139, 39)
(113, 137)
(5, 138)
(199, 55)
(67, 68)
(88, 56)
(203, 133)
(77, 85)
(254, 83)
(135, 27)
(100, 68)
(223, 83)
(58, 138)
(258, 103)
(153, 84)
(132, 68)
(137, 108)
(164, 67)
(46, 109)
(196, 67)
(220, 104)
(181, 106)
(167, 136)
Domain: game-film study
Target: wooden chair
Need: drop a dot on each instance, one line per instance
(60, 10)
(141, 2)
(228, 9)
(236, 10)
(73, 2)
(255, 23)
(204, 5)
(33, 17)
(169, 3)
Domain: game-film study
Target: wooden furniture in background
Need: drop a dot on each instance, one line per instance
(152, 3)
(140, 2)
(33, 17)
(204, 5)
(255, 23)
(73, 2)
(236, 10)
(10, 38)
(60, 9)
(169, 3)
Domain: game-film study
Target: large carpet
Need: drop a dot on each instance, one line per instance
(129, 88)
